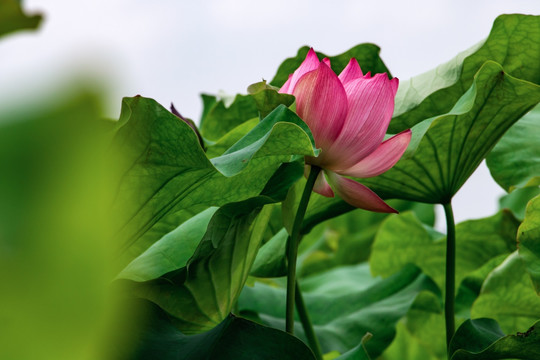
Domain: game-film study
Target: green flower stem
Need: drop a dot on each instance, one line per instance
(306, 324)
(450, 273)
(292, 247)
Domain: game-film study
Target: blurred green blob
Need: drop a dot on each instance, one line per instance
(483, 339)
(406, 347)
(53, 260)
(12, 18)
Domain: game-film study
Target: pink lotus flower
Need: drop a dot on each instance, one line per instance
(348, 116)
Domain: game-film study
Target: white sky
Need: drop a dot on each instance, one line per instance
(173, 50)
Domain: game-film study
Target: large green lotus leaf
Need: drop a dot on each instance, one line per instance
(166, 178)
(223, 115)
(529, 241)
(515, 160)
(54, 270)
(174, 250)
(13, 18)
(446, 149)
(200, 293)
(234, 338)
(203, 239)
(402, 239)
(342, 313)
(366, 54)
(514, 42)
(483, 339)
(508, 296)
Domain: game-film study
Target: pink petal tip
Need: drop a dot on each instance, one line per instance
(358, 195)
(383, 158)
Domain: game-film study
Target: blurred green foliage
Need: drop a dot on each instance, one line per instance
(13, 18)
(55, 259)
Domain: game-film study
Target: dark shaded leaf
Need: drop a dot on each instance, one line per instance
(234, 338)
(166, 177)
(483, 339)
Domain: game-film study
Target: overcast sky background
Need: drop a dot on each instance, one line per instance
(174, 50)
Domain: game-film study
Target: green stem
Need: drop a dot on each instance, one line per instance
(306, 324)
(292, 247)
(450, 273)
